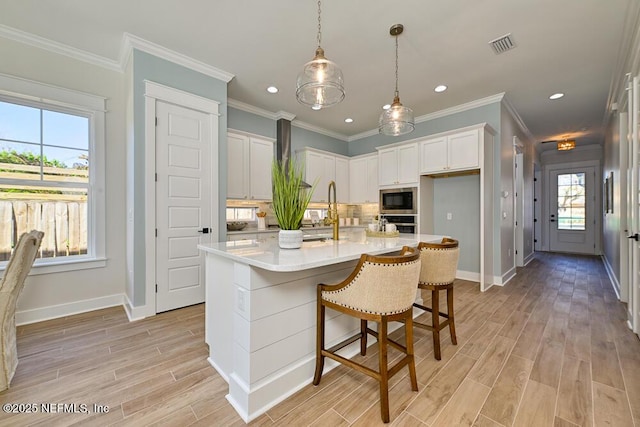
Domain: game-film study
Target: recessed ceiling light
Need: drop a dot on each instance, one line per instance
(386, 106)
(272, 89)
(440, 88)
(556, 95)
(348, 120)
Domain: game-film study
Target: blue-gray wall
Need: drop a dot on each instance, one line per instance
(149, 67)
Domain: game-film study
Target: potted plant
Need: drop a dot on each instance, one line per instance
(290, 200)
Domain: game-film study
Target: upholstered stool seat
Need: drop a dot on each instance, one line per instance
(437, 273)
(12, 282)
(380, 289)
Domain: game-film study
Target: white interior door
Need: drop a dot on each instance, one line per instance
(183, 215)
(572, 199)
(518, 199)
(633, 209)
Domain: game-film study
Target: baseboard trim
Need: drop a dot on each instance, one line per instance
(468, 275)
(506, 277)
(612, 277)
(135, 313)
(529, 258)
(26, 317)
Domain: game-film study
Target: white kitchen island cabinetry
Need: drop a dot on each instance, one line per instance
(249, 161)
(449, 153)
(260, 318)
(363, 179)
(398, 165)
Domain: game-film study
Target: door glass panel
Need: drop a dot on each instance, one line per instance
(571, 201)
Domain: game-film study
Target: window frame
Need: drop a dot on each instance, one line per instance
(44, 96)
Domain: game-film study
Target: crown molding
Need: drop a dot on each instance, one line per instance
(59, 48)
(131, 42)
(242, 106)
(316, 129)
(442, 113)
(512, 111)
(239, 105)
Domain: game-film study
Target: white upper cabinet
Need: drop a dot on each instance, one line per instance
(320, 168)
(249, 167)
(342, 179)
(260, 161)
(455, 152)
(326, 167)
(363, 179)
(398, 165)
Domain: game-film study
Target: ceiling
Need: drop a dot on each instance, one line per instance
(569, 46)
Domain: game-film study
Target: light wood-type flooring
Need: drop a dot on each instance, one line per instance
(551, 348)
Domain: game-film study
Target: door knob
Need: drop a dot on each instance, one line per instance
(205, 230)
(635, 237)
(552, 220)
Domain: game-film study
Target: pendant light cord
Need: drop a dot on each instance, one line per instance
(319, 25)
(396, 94)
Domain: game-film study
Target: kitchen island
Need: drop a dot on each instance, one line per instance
(261, 311)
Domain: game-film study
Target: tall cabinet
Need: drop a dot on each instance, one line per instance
(466, 151)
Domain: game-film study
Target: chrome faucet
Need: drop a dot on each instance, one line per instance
(332, 213)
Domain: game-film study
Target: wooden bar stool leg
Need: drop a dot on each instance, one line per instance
(384, 375)
(435, 319)
(408, 331)
(452, 325)
(363, 337)
(319, 341)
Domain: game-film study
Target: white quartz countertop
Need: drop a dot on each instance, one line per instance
(266, 254)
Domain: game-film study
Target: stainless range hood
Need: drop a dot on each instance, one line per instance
(283, 143)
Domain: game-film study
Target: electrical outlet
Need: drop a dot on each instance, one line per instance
(509, 252)
(449, 216)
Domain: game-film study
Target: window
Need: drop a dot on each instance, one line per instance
(571, 201)
(241, 214)
(51, 173)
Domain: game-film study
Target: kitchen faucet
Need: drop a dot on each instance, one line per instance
(332, 213)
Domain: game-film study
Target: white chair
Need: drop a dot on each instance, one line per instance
(12, 283)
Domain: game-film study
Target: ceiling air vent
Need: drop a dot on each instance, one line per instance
(502, 44)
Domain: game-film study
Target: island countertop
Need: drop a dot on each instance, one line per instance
(266, 254)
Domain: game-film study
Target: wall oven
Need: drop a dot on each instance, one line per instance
(398, 201)
(404, 223)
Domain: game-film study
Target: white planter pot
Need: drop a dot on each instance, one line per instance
(290, 239)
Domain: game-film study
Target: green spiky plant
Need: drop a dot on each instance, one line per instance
(290, 199)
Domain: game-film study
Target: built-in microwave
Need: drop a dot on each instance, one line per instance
(398, 201)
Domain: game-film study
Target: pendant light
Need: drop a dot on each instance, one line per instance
(397, 119)
(320, 83)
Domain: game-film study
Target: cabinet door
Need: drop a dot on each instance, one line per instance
(464, 150)
(358, 180)
(237, 166)
(408, 164)
(314, 173)
(260, 159)
(433, 155)
(342, 179)
(388, 166)
(373, 192)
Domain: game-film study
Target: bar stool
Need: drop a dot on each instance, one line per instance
(380, 289)
(437, 273)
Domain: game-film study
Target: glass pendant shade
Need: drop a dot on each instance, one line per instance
(397, 120)
(320, 84)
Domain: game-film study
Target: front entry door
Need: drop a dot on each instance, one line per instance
(183, 144)
(572, 225)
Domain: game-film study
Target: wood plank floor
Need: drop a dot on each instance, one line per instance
(549, 349)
